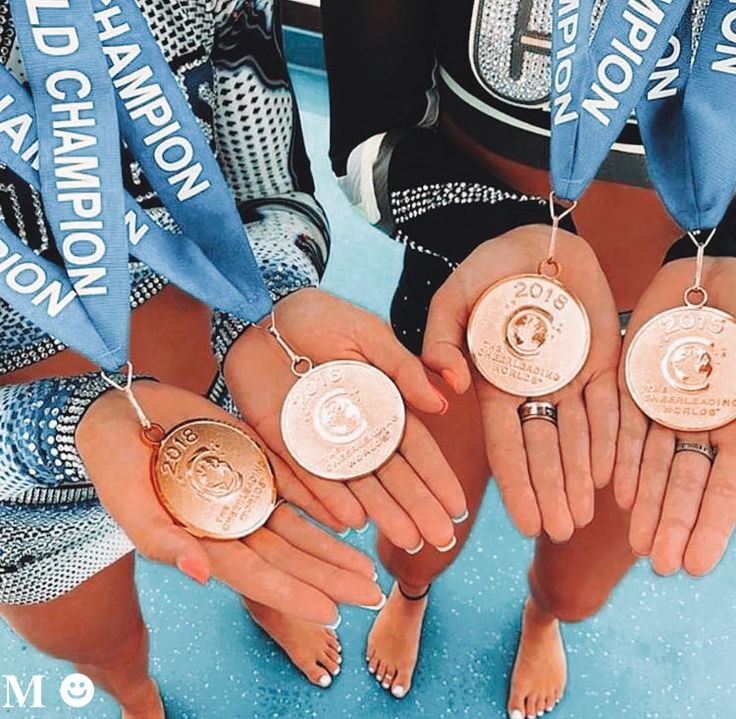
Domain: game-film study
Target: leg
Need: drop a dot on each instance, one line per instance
(99, 628)
(568, 582)
(393, 643)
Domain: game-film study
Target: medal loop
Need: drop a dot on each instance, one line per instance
(697, 287)
(127, 390)
(550, 261)
(300, 364)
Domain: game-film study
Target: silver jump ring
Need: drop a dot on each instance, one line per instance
(538, 410)
(706, 450)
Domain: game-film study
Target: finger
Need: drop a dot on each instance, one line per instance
(655, 468)
(687, 479)
(247, 573)
(385, 511)
(403, 484)
(295, 492)
(545, 470)
(305, 536)
(444, 336)
(601, 404)
(574, 440)
(507, 459)
(716, 518)
(381, 348)
(337, 583)
(420, 449)
(632, 434)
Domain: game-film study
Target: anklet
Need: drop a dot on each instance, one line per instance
(413, 598)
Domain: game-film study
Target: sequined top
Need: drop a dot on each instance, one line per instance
(227, 57)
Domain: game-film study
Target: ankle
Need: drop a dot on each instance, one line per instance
(534, 613)
(144, 702)
(412, 592)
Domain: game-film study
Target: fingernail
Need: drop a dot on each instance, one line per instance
(194, 569)
(416, 549)
(363, 528)
(334, 624)
(376, 607)
(451, 379)
(344, 534)
(461, 517)
(375, 576)
(325, 680)
(443, 399)
(398, 691)
(516, 714)
(448, 546)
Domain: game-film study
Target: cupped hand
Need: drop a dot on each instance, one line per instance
(546, 476)
(288, 564)
(413, 497)
(683, 507)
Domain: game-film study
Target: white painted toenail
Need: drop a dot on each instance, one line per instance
(336, 672)
(325, 680)
(461, 518)
(379, 677)
(371, 670)
(416, 549)
(339, 660)
(385, 685)
(398, 691)
(448, 546)
(540, 714)
(516, 714)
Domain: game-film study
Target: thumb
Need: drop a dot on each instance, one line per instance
(444, 337)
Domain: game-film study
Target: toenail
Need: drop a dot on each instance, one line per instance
(516, 714)
(417, 549)
(448, 546)
(339, 660)
(336, 672)
(325, 680)
(461, 517)
(385, 685)
(398, 691)
(379, 677)
(376, 607)
(540, 714)
(371, 670)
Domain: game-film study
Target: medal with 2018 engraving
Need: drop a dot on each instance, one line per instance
(529, 335)
(680, 364)
(342, 419)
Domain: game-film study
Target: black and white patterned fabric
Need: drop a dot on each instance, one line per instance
(227, 57)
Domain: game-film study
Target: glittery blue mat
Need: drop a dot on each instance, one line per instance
(661, 649)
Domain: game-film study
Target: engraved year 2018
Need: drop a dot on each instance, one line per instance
(175, 448)
(313, 384)
(694, 321)
(536, 291)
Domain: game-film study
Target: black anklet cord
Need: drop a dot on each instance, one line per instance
(413, 598)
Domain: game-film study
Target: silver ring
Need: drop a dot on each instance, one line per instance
(538, 410)
(705, 449)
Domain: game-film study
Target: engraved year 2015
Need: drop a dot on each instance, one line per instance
(536, 291)
(175, 448)
(694, 321)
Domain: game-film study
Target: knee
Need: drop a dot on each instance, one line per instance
(128, 649)
(569, 602)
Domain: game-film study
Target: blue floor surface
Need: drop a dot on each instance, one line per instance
(663, 648)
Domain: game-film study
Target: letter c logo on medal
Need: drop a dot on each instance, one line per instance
(338, 417)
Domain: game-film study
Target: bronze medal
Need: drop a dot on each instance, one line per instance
(529, 335)
(212, 478)
(680, 368)
(343, 419)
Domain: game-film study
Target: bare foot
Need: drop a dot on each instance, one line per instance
(540, 670)
(393, 644)
(314, 650)
(148, 706)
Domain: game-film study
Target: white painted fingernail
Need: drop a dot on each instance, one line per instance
(461, 518)
(363, 528)
(398, 691)
(344, 533)
(416, 549)
(448, 546)
(375, 576)
(376, 607)
(516, 714)
(334, 624)
(325, 680)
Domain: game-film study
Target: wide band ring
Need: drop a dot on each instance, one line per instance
(538, 410)
(705, 449)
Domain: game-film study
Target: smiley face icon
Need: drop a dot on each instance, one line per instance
(77, 690)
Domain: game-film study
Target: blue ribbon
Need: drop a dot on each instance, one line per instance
(596, 84)
(687, 123)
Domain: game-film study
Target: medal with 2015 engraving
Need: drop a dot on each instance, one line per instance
(680, 365)
(529, 335)
(212, 478)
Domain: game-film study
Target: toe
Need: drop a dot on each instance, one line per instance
(380, 670)
(333, 643)
(549, 702)
(319, 676)
(388, 677)
(373, 664)
(531, 707)
(329, 664)
(541, 705)
(517, 704)
(334, 655)
(402, 682)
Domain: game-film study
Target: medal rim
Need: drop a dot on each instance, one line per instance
(627, 365)
(191, 527)
(529, 276)
(341, 477)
